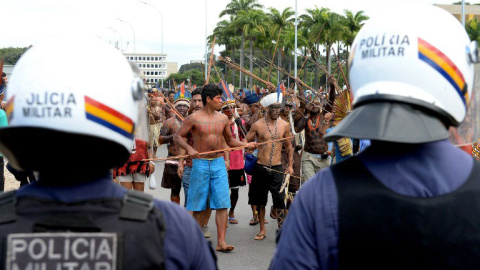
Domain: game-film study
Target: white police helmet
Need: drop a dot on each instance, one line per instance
(412, 74)
(72, 100)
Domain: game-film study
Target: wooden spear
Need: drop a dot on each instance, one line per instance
(216, 151)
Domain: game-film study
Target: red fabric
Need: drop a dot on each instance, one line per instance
(134, 163)
(236, 157)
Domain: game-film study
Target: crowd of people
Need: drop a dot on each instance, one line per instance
(227, 138)
(380, 188)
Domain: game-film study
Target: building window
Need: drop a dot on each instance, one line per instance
(156, 58)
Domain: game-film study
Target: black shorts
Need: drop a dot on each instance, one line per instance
(170, 177)
(236, 178)
(264, 181)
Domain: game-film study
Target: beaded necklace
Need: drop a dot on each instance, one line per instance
(316, 125)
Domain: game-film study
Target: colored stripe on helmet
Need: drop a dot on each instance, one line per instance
(108, 117)
(440, 62)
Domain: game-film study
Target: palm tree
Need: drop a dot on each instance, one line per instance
(225, 32)
(279, 21)
(252, 24)
(232, 9)
(313, 25)
(353, 23)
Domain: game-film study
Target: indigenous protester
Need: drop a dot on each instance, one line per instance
(250, 116)
(184, 173)
(208, 126)
(133, 173)
(167, 111)
(421, 192)
(286, 115)
(75, 200)
(315, 121)
(268, 172)
(170, 179)
(234, 160)
(156, 120)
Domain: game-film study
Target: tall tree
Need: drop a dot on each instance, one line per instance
(232, 9)
(225, 32)
(353, 23)
(313, 25)
(252, 24)
(278, 22)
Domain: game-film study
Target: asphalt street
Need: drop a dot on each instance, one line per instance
(248, 253)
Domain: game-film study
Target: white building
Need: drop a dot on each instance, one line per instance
(153, 65)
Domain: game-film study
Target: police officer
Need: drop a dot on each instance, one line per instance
(412, 199)
(73, 131)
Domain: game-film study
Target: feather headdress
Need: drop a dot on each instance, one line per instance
(341, 106)
(271, 99)
(183, 96)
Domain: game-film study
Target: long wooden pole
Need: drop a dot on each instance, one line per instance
(173, 107)
(210, 61)
(217, 151)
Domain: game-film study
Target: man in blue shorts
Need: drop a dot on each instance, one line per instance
(209, 129)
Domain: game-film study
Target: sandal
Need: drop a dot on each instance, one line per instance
(253, 222)
(260, 236)
(232, 220)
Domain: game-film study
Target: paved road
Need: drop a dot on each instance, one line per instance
(249, 253)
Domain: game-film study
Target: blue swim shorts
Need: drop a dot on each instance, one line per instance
(208, 177)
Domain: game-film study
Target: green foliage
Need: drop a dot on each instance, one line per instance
(196, 76)
(262, 31)
(187, 67)
(11, 55)
(473, 29)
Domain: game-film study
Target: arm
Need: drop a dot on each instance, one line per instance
(180, 137)
(181, 152)
(227, 136)
(164, 138)
(227, 157)
(300, 124)
(289, 148)
(251, 134)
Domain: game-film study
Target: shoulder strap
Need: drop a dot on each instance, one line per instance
(8, 207)
(136, 206)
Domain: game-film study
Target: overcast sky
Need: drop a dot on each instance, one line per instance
(25, 22)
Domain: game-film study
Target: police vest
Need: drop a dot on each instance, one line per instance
(381, 229)
(107, 234)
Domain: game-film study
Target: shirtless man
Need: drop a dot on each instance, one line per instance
(156, 120)
(264, 178)
(315, 121)
(170, 179)
(208, 126)
(167, 109)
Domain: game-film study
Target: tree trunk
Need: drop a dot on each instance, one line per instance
(273, 57)
(279, 65)
(305, 69)
(289, 69)
(251, 64)
(317, 58)
(242, 59)
(329, 63)
(233, 60)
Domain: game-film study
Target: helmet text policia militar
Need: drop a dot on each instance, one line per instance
(71, 100)
(405, 62)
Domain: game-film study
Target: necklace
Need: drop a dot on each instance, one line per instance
(179, 124)
(316, 125)
(273, 138)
